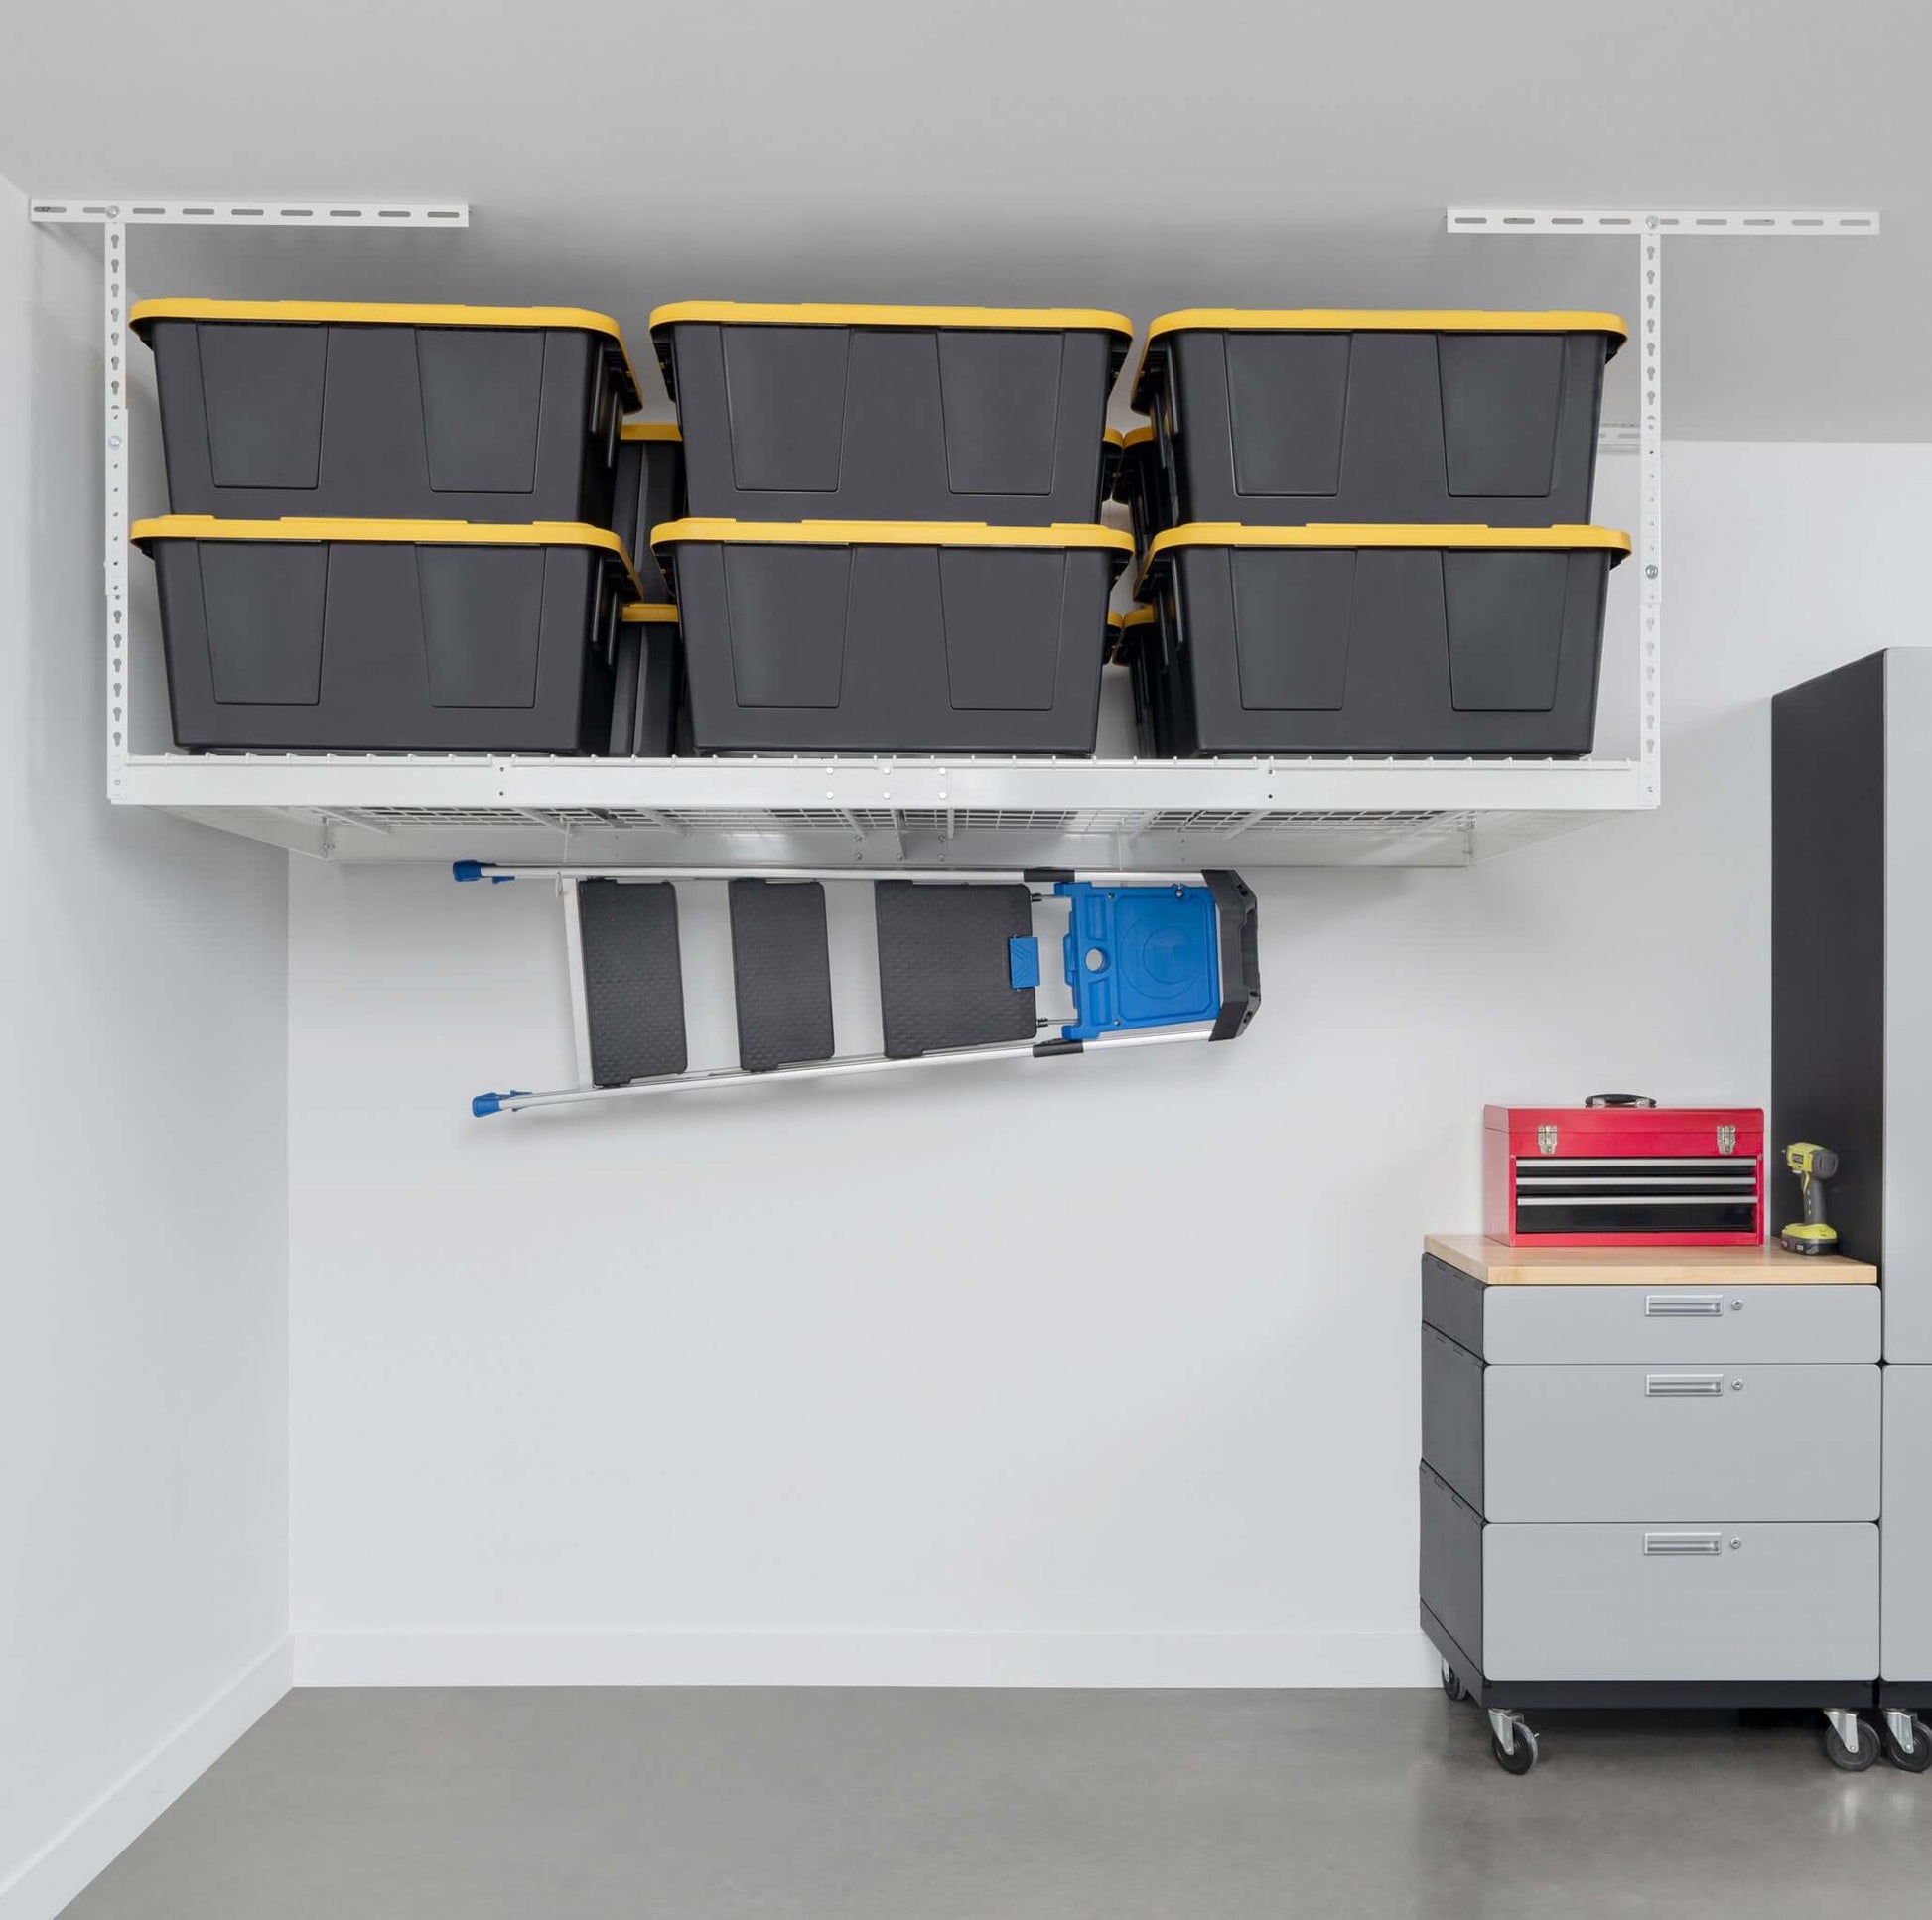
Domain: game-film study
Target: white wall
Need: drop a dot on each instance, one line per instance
(1083, 1370)
(143, 1205)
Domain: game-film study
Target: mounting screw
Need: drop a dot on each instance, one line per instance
(1736, 1307)
(1735, 1542)
(1736, 1386)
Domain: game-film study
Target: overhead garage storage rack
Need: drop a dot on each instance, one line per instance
(959, 811)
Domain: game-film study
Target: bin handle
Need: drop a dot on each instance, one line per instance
(609, 617)
(600, 383)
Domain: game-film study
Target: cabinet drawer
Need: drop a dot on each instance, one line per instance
(1756, 1442)
(1664, 1326)
(1908, 1653)
(1679, 1600)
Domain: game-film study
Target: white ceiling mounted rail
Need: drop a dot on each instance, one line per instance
(82, 210)
(1650, 227)
(1739, 223)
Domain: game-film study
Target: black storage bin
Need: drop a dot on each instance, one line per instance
(1379, 640)
(1141, 487)
(868, 637)
(649, 671)
(1130, 633)
(346, 408)
(904, 413)
(650, 491)
(376, 635)
(1333, 415)
(1113, 446)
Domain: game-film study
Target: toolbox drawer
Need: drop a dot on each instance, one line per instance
(1695, 1599)
(1645, 1326)
(1758, 1442)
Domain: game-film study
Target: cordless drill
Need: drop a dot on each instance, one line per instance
(1814, 1166)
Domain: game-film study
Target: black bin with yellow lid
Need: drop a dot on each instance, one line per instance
(271, 408)
(650, 491)
(649, 683)
(1141, 487)
(390, 636)
(816, 411)
(1284, 417)
(1378, 639)
(893, 637)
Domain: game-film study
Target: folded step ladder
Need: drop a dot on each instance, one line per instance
(1148, 962)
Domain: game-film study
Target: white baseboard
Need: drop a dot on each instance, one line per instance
(52, 1878)
(1400, 1658)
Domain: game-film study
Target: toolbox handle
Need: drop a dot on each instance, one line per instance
(1683, 1307)
(1618, 1100)
(1702, 1545)
(1684, 1386)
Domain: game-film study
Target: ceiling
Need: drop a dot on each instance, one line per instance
(620, 153)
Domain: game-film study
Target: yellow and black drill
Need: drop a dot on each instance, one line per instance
(1814, 1166)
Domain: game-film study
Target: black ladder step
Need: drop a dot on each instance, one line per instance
(782, 970)
(945, 965)
(634, 980)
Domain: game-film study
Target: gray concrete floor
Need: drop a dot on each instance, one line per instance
(577, 1803)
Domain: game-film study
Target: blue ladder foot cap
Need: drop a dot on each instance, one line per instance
(485, 1103)
(475, 869)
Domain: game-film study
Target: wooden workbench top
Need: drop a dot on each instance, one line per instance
(1765, 1265)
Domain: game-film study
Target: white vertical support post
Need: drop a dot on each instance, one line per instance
(1651, 230)
(115, 217)
(114, 450)
(580, 1015)
(1650, 525)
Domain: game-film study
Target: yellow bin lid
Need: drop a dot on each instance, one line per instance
(388, 313)
(1062, 537)
(418, 533)
(1370, 319)
(820, 312)
(1558, 539)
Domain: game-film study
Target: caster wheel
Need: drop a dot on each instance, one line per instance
(1848, 1759)
(1452, 1686)
(1522, 1756)
(1919, 1759)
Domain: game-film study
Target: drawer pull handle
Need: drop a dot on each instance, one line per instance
(1683, 1307)
(1677, 1546)
(1684, 1386)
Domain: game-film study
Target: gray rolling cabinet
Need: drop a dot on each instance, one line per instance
(1651, 1477)
(1852, 1066)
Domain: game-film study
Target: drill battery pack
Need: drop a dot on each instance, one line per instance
(1625, 1173)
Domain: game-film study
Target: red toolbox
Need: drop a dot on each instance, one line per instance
(1622, 1172)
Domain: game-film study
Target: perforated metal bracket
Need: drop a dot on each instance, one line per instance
(1650, 227)
(115, 215)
